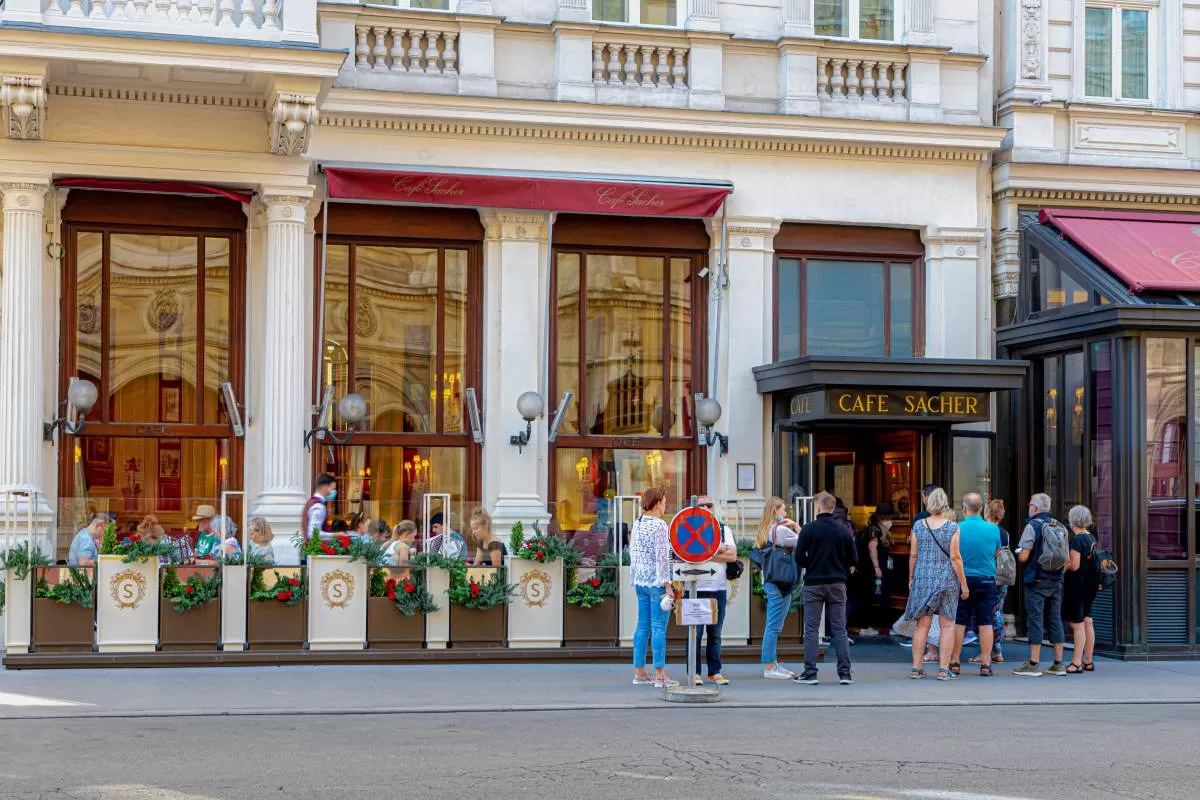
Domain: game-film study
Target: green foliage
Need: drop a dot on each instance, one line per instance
(378, 583)
(598, 588)
(287, 590)
(489, 594)
(744, 546)
(135, 548)
(21, 559)
(108, 542)
(408, 593)
(196, 592)
(545, 548)
(517, 538)
(342, 544)
(758, 591)
(77, 589)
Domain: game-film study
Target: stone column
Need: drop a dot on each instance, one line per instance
(798, 78)
(919, 29)
(514, 483)
(746, 342)
(706, 64)
(285, 397)
(958, 315)
(573, 80)
(573, 11)
(23, 315)
(797, 18)
(702, 16)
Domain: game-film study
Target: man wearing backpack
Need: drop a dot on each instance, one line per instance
(1043, 550)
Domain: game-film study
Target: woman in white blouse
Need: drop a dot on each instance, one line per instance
(650, 572)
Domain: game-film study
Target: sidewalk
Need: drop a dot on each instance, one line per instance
(545, 687)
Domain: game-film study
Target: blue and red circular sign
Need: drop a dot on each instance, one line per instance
(695, 534)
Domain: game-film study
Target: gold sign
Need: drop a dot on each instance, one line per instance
(535, 588)
(128, 589)
(896, 404)
(337, 589)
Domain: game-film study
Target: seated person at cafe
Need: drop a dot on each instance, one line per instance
(261, 539)
(454, 545)
(378, 531)
(488, 549)
(400, 549)
(208, 542)
(85, 547)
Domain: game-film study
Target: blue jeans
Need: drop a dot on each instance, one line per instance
(712, 653)
(778, 605)
(652, 626)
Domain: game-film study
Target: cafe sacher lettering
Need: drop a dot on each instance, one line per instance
(898, 404)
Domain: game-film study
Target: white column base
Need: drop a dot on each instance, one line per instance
(535, 614)
(127, 599)
(337, 603)
(18, 612)
(526, 509)
(437, 623)
(233, 608)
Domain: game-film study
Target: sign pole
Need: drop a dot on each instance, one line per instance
(695, 535)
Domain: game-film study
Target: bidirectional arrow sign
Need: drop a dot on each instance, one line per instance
(695, 534)
(684, 572)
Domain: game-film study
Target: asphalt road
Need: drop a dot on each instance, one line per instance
(1031, 753)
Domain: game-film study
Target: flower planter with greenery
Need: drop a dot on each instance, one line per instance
(396, 609)
(438, 573)
(189, 614)
(590, 616)
(235, 582)
(536, 567)
(64, 608)
(736, 630)
(478, 607)
(275, 618)
(627, 604)
(16, 594)
(793, 624)
(127, 595)
(337, 575)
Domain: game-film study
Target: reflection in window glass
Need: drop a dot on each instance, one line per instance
(1102, 441)
(658, 12)
(1097, 50)
(789, 316)
(1166, 411)
(456, 341)
(89, 299)
(677, 407)
(901, 310)
(1073, 430)
(1135, 54)
(432, 5)
(153, 283)
(586, 480)
(843, 308)
(1055, 286)
(1050, 414)
(876, 19)
(831, 18)
(567, 331)
(216, 326)
(335, 362)
(972, 466)
(608, 10)
(624, 344)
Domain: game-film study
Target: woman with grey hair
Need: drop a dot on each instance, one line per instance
(1080, 586)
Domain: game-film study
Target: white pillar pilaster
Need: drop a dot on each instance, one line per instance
(920, 22)
(515, 266)
(573, 11)
(23, 315)
(702, 16)
(959, 316)
(746, 343)
(284, 400)
(797, 18)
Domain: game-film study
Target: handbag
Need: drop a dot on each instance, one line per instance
(779, 567)
(734, 569)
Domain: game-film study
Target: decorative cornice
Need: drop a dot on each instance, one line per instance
(1082, 196)
(514, 225)
(233, 101)
(23, 98)
(691, 141)
(289, 121)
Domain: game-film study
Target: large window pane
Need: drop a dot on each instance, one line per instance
(832, 17)
(972, 466)
(901, 310)
(624, 344)
(89, 260)
(843, 309)
(788, 319)
(678, 408)
(1166, 412)
(876, 19)
(1102, 442)
(1050, 412)
(587, 479)
(1072, 442)
(396, 336)
(658, 12)
(608, 10)
(1135, 54)
(567, 331)
(1055, 286)
(335, 351)
(1097, 50)
(152, 328)
(456, 343)
(216, 326)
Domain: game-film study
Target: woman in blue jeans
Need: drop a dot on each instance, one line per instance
(777, 529)
(650, 573)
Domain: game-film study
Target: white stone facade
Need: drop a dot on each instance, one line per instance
(807, 129)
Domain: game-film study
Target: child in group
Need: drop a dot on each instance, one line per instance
(399, 551)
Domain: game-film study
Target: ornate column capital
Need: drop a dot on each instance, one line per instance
(24, 196)
(514, 225)
(286, 205)
(23, 99)
(748, 233)
(290, 118)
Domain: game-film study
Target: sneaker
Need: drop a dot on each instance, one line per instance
(808, 679)
(718, 679)
(791, 672)
(778, 674)
(971, 638)
(1028, 670)
(906, 643)
(1058, 670)
(697, 680)
(845, 680)
(868, 632)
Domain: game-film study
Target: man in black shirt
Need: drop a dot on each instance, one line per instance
(827, 556)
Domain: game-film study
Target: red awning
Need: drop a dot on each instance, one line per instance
(160, 187)
(528, 191)
(1157, 252)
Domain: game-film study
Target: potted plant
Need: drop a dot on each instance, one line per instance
(127, 600)
(16, 594)
(478, 608)
(63, 611)
(536, 567)
(437, 572)
(189, 616)
(275, 614)
(590, 616)
(396, 609)
(337, 573)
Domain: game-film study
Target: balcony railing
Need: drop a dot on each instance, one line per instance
(259, 19)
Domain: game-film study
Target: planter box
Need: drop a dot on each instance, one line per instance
(473, 627)
(388, 629)
(272, 625)
(59, 628)
(627, 609)
(535, 613)
(197, 629)
(337, 608)
(437, 624)
(793, 624)
(737, 609)
(233, 607)
(18, 612)
(126, 605)
(591, 627)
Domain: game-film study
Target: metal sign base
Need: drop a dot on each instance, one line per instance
(692, 694)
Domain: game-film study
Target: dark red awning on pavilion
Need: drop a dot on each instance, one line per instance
(527, 191)
(160, 187)
(1148, 251)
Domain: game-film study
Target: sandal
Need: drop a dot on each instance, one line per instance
(997, 658)
(945, 675)
(985, 671)
(665, 683)
(975, 660)
(1088, 666)
(1074, 669)
(955, 668)
(916, 674)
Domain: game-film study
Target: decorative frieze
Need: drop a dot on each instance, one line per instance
(23, 98)
(1031, 39)
(289, 121)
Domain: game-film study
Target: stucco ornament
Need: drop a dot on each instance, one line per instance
(1031, 38)
(290, 119)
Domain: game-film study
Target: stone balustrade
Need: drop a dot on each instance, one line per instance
(257, 18)
(639, 66)
(415, 51)
(871, 80)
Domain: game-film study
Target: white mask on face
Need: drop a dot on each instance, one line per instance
(886, 524)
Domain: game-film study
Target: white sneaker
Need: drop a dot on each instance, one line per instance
(697, 680)
(782, 666)
(778, 674)
(868, 632)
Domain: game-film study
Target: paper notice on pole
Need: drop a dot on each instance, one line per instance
(697, 612)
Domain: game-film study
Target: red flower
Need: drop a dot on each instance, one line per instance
(595, 582)
(474, 590)
(344, 541)
(137, 537)
(189, 590)
(391, 595)
(285, 595)
(409, 588)
(541, 556)
(391, 583)
(293, 581)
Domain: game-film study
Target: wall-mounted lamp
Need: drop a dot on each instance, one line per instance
(81, 397)
(352, 408)
(708, 411)
(530, 407)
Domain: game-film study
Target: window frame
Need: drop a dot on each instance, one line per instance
(1115, 7)
(854, 23)
(633, 15)
(916, 263)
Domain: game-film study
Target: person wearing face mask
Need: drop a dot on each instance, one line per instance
(873, 579)
(316, 512)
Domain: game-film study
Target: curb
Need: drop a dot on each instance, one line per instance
(576, 708)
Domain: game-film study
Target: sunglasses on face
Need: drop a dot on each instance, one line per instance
(704, 505)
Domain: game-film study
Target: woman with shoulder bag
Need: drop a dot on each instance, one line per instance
(650, 573)
(775, 530)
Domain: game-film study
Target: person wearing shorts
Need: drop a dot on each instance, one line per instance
(1081, 584)
(979, 541)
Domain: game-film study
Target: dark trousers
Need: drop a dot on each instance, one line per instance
(832, 598)
(712, 647)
